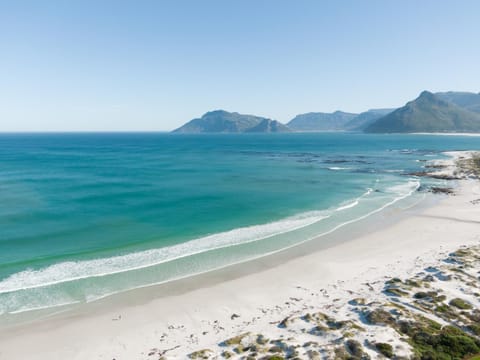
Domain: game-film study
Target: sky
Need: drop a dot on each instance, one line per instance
(152, 65)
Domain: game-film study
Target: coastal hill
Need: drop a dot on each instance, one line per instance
(337, 121)
(427, 113)
(220, 121)
(268, 125)
(366, 118)
(318, 121)
(467, 100)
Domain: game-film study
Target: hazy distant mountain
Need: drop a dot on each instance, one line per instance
(427, 113)
(450, 111)
(363, 120)
(220, 121)
(466, 100)
(268, 125)
(317, 121)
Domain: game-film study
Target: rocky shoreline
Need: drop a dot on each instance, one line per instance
(465, 165)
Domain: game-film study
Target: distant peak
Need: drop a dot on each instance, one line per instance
(427, 94)
(213, 112)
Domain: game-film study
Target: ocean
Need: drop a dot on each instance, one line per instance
(87, 215)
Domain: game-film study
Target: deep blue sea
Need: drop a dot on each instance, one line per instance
(84, 216)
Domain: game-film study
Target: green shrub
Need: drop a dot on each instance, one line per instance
(393, 281)
(442, 308)
(421, 295)
(412, 283)
(433, 295)
(450, 343)
(474, 328)
(385, 349)
(379, 317)
(461, 304)
(354, 348)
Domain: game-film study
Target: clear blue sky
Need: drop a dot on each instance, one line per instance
(152, 65)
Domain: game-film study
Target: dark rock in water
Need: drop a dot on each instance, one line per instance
(416, 173)
(441, 190)
(435, 166)
(443, 177)
(339, 161)
(422, 188)
(432, 175)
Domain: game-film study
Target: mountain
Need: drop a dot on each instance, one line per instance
(220, 121)
(427, 113)
(451, 111)
(317, 121)
(268, 125)
(466, 100)
(366, 118)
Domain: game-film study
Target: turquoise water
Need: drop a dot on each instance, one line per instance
(83, 216)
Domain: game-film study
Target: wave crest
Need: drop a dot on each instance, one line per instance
(76, 270)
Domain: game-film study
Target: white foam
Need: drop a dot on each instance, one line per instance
(348, 206)
(77, 270)
(355, 202)
(410, 189)
(41, 307)
(337, 168)
(403, 190)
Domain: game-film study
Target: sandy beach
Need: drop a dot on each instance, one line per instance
(174, 320)
(240, 180)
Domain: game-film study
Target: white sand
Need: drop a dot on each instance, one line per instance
(200, 317)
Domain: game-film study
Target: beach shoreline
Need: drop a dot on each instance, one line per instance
(203, 311)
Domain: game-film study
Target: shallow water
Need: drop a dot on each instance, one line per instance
(83, 216)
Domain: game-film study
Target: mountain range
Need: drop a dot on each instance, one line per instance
(430, 112)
